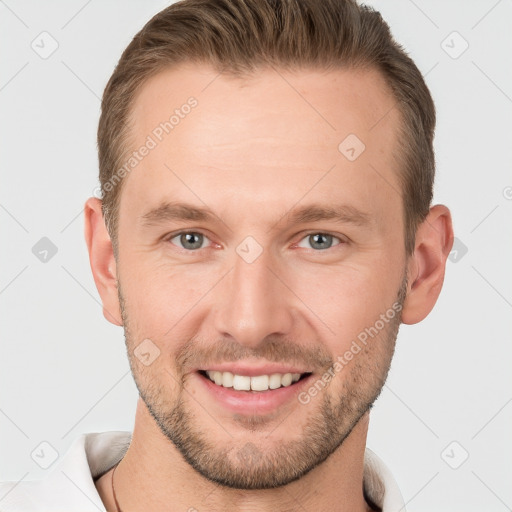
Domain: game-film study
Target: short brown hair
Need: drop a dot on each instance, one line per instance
(240, 36)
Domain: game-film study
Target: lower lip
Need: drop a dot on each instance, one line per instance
(254, 402)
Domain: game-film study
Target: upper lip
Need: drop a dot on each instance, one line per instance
(251, 370)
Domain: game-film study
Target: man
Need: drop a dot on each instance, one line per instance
(264, 228)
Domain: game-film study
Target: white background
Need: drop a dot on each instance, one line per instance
(64, 370)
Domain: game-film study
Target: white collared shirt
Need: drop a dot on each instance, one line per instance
(69, 485)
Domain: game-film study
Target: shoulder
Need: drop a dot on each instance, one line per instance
(69, 485)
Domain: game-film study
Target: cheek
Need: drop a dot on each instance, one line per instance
(346, 300)
(159, 297)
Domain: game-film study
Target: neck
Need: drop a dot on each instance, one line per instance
(153, 474)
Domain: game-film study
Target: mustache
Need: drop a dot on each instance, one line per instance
(196, 353)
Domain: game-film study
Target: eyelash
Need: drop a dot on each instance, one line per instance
(341, 240)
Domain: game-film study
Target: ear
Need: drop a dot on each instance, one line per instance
(101, 258)
(426, 266)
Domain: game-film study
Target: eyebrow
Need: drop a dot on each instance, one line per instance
(175, 211)
(344, 214)
(170, 211)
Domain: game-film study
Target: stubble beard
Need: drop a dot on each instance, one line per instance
(246, 464)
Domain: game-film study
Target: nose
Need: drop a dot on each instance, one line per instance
(253, 302)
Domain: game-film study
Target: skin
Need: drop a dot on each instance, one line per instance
(251, 151)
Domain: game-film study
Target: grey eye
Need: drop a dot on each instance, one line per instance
(319, 241)
(190, 241)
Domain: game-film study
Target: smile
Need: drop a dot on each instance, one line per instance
(252, 383)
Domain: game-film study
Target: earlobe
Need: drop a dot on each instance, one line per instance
(102, 260)
(426, 267)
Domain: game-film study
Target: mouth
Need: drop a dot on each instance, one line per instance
(248, 388)
(254, 383)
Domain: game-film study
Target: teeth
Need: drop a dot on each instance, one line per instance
(256, 383)
(241, 382)
(259, 383)
(217, 377)
(227, 379)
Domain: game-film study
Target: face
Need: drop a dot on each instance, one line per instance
(254, 243)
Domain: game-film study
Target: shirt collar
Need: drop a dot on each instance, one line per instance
(69, 487)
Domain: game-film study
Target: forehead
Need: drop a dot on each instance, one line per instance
(328, 102)
(264, 136)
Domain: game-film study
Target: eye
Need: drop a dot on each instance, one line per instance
(189, 240)
(192, 241)
(319, 241)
